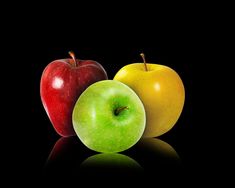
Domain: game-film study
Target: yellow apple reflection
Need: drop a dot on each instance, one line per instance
(155, 154)
(159, 147)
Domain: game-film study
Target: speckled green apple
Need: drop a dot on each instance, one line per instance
(109, 117)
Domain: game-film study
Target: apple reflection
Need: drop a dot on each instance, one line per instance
(110, 164)
(70, 157)
(66, 153)
(64, 150)
(157, 156)
(159, 148)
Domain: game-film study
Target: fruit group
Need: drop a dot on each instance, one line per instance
(160, 89)
(62, 82)
(109, 117)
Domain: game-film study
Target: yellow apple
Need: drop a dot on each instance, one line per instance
(161, 90)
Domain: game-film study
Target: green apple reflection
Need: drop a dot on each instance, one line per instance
(110, 164)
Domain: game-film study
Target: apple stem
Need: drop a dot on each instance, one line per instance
(71, 53)
(119, 109)
(145, 64)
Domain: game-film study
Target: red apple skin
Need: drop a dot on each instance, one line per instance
(62, 82)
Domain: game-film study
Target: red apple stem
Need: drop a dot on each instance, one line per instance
(145, 64)
(119, 109)
(71, 53)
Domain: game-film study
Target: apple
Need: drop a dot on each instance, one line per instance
(62, 82)
(109, 117)
(160, 89)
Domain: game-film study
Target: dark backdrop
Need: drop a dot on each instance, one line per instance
(115, 43)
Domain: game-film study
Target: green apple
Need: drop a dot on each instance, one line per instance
(109, 117)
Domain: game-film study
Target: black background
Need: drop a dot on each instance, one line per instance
(171, 40)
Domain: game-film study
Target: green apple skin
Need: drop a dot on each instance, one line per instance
(96, 122)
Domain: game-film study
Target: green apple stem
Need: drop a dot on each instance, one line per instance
(119, 109)
(145, 64)
(71, 53)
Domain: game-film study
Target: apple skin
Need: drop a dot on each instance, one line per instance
(96, 123)
(160, 89)
(62, 82)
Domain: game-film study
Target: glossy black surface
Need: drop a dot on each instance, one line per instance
(147, 155)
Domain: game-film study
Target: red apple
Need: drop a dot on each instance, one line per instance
(62, 82)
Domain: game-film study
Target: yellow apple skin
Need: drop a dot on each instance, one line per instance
(161, 91)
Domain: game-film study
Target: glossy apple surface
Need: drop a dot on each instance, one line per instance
(109, 117)
(160, 89)
(62, 82)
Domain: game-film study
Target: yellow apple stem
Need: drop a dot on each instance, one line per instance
(145, 64)
(71, 53)
(118, 110)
